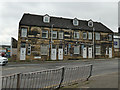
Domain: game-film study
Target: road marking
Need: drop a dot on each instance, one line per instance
(12, 68)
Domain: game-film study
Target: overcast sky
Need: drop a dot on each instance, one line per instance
(11, 13)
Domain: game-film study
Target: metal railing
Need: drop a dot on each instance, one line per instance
(51, 78)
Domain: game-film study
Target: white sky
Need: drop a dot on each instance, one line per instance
(11, 13)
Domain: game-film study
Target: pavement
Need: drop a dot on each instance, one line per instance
(98, 81)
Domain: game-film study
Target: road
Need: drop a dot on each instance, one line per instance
(99, 66)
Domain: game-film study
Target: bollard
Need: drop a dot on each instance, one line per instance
(18, 81)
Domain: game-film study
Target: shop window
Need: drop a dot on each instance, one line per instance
(76, 35)
(24, 32)
(98, 50)
(44, 49)
(76, 49)
(44, 34)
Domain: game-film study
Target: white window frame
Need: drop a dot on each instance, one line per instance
(78, 35)
(75, 22)
(98, 48)
(60, 35)
(97, 36)
(46, 19)
(90, 35)
(54, 32)
(45, 31)
(44, 49)
(23, 32)
(85, 34)
(106, 51)
(76, 49)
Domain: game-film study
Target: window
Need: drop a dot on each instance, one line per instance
(60, 35)
(90, 23)
(89, 35)
(98, 51)
(76, 35)
(76, 49)
(44, 49)
(44, 34)
(110, 37)
(84, 35)
(54, 34)
(46, 19)
(97, 36)
(106, 51)
(24, 32)
(29, 49)
(23, 45)
(65, 50)
(75, 22)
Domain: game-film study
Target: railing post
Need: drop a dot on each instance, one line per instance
(62, 77)
(18, 81)
(91, 67)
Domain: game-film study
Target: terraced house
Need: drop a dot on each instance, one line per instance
(45, 37)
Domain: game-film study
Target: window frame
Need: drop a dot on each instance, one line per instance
(44, 52)
(76, 32)
(46, 19)
(96, 36)
(110, 37)
(62, 35)
(45, 31)
(89, 35)
(54, 32)
(98, 47)
(75, 22)
(24, 32)
(78, 49)
(85, 34)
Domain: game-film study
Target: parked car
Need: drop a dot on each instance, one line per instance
(3, 61)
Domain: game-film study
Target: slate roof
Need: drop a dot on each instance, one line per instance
(59, 22)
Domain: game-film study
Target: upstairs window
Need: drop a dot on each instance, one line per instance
(24, 32)
(90, 35)
(54, 34)
(44, 34)
(60, 35)
(46, 19)
(75, 22)
(76, 35)
(90, 23)
(84, 35)
(110, 37)
(97, 36)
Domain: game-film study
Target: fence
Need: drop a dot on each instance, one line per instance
(52, 78)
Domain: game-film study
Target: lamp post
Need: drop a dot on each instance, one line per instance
(51, 37)
(93, 43)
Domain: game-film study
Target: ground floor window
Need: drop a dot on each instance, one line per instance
(98, 50)
(44, 49)
(76, 49)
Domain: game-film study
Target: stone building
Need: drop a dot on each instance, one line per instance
(69, 38)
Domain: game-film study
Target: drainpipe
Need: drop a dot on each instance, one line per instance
(51, 36)
(93, 44)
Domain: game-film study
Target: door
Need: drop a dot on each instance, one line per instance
(90, 52)
(53, 53)
(22, 53)
(110, 52)
(60, 53)
(84, 52)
